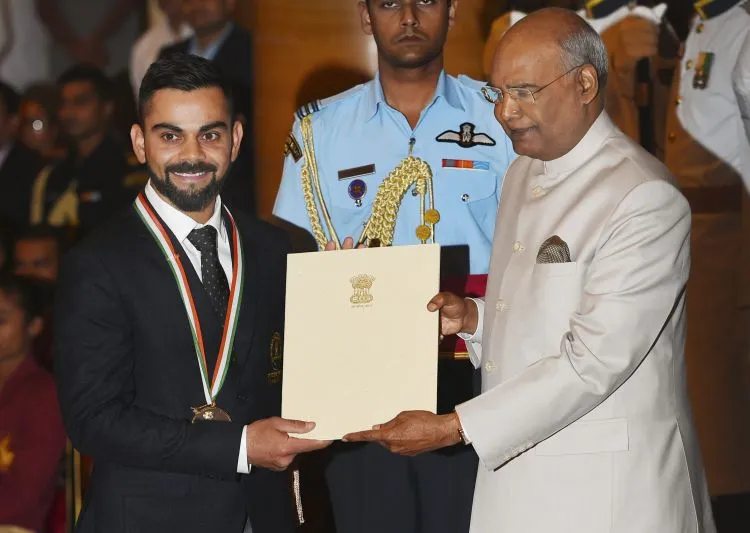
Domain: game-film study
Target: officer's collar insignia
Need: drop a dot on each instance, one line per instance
(707, 9)
(291, 146)
(465, 137)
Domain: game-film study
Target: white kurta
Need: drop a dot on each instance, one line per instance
(584, 425)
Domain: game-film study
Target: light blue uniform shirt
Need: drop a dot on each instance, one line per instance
(359, 129)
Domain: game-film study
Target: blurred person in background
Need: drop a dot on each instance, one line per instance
(40, 126)
(18, 163)
(218, 39)
(100, 32)
(32, 436)
(168, 31)
(98, 175)
(24, 44)
(37, 254)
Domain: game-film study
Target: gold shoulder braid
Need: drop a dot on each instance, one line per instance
(381, 225)
(311, 187)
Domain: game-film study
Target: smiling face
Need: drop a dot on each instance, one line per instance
(408, 33)
(188, 142)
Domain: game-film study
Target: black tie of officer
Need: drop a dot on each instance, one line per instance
(214, 279)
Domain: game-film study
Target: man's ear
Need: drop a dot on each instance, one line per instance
(139, 142)
(237, 133)
(35, 327)
(452, 13)
(588, 84)
(364, 18)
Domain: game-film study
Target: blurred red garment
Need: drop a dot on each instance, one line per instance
(32, 441)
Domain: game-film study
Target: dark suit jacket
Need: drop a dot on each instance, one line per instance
(235, 61)
(17, 176)
(128, 375)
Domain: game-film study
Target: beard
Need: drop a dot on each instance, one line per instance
(191, 200)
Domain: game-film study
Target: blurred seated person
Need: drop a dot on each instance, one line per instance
(218, 39)
(98, 176)
(40, 126)
(18, 163)
(37, 254)
(32, 437)
(168, 31)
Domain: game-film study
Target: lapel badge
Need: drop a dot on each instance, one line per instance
(703, 70)
(357, 191)
(466, 138)
(275, 352)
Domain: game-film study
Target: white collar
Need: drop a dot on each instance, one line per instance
(586, 148)
(177, 221)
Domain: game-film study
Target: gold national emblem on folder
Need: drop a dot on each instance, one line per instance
(362, 285)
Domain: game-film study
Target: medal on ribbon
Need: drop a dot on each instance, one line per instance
(211, 389)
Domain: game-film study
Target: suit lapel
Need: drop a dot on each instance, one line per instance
(243, 339)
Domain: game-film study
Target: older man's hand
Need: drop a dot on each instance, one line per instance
(413, 432)
(457, 315)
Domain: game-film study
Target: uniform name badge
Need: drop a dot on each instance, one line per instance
(703, 70)
(211, 389)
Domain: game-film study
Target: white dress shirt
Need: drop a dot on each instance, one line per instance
(181, 225)
(147, 48)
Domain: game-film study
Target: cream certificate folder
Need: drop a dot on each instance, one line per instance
(360, 345)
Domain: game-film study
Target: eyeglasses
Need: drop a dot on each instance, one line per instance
(495, 95)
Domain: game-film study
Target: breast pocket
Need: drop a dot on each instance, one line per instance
(471, 191)
(555, 291)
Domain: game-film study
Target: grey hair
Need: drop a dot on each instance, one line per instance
(584, 46)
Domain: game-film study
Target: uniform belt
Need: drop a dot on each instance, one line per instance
(714, 200)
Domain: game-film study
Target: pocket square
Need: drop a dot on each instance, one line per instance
(553, 250)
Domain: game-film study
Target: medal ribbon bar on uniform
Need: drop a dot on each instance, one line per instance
(160, 235)
(707, 9)
(463, 163)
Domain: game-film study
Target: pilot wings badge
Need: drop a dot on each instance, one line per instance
(466, 138)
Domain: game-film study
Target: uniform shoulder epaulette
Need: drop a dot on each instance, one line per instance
(471, 83)
(317, 105)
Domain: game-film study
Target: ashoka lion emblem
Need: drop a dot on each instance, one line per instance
(361, 285)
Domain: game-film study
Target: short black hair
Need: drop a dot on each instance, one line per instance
(30, 295)
(40, 232)
(10, 98)
(92, 74)
(184, 72)
(47, 95)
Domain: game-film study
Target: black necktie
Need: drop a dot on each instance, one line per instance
(214, 279)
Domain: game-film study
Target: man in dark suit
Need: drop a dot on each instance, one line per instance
(229, 47)
(168, 336)
(18, 163)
